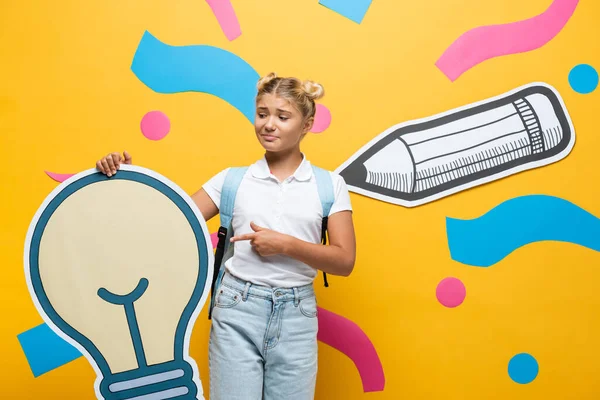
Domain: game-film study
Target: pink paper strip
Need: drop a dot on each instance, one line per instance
(347, 337)
(58, 177)
(485, 42)
(223, 11)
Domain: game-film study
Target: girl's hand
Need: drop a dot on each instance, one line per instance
(110, 164)
(265, 242)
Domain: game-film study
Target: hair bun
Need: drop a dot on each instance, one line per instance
(264, 81)
(313, 90)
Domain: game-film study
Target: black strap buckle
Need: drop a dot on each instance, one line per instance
(221, 234)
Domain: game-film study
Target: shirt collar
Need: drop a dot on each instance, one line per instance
(260, 170)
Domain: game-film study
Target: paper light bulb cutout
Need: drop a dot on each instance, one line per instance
(119, 267)
(419, 161)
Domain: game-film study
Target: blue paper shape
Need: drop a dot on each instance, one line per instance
(45, 350)
(583, 78)
(196, 68)
(517, 222)
(351, 9)
(523, 368)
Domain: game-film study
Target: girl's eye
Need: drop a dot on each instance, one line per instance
(283, 118)
(261, 115)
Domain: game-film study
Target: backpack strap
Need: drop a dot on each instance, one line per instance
(327, 197)
(232, 182)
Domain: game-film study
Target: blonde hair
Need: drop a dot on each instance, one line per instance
(302, 94)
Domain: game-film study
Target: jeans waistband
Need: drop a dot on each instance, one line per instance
(276, 294)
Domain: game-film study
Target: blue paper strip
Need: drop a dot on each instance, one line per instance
(45, 350)
(351, 9)
(196, 68)
(517, 222)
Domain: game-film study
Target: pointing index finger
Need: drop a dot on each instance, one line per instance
(247, 236)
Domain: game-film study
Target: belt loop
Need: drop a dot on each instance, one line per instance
(296, 297)
(245, 294)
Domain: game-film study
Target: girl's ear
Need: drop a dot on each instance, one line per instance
(308, 124)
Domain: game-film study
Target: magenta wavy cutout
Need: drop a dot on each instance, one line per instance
(348, 338)
(485, 42)
(223, 11)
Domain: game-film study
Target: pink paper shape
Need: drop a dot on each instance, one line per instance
(223, 11)
(58, 177)
(214, 238)
(485, 42)
(322, 119)
(347, 337)
(155, 125)
(451, 292)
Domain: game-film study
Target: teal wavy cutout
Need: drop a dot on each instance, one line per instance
(484, 241)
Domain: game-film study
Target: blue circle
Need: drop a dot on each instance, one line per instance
(583, 78)
(523, 368)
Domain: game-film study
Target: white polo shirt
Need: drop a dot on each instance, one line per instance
(292, 207)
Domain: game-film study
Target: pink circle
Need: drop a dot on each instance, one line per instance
(451, 292)
(322, 119)
(155, 125)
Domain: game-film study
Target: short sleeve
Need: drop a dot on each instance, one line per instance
(214, 186)
(342, 197)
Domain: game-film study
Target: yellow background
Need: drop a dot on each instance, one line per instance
(68, 96)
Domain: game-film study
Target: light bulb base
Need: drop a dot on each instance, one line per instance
(170, 380)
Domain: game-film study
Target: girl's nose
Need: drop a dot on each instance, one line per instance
(270, 125)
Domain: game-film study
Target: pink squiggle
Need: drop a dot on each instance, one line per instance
(58, 177)
(347, 337)
(485, 42)
(223, 11)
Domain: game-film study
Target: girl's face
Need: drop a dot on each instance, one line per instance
(279, 126)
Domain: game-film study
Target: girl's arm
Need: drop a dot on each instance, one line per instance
(205, 204)
(110, 164)
(337, 258)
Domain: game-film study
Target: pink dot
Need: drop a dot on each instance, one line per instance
(155, 125)
(451, 292)
(322, 119)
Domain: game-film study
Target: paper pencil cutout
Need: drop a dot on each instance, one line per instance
(419, 161)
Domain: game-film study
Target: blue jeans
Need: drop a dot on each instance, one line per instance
(263, 342)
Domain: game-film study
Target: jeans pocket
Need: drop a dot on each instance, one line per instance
(227, 297)
(308, 306)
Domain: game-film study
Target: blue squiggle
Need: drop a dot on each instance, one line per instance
(197, 68)
(517, 222)
(351, 9)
